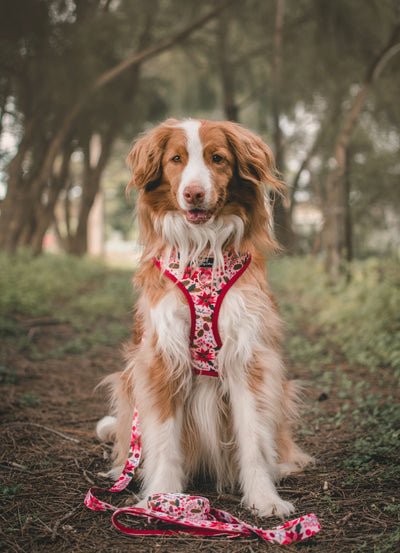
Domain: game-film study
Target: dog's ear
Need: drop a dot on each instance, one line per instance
(256, 180)
(146, 155)
(255, 162)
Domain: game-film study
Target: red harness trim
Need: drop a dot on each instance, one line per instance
(187, 294)
(221, 286)
(221, 297)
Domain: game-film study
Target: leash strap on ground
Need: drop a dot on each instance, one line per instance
(188, 514)
(216, 523)
(91, 499)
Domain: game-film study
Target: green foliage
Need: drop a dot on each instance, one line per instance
(9, 492)
(360, 318)
(111, 299)
(7, 375)
(348, 335)
(386, 543)
(363, 317)
(67, 288)
(375, 450)
(30, 285)
(28, 400)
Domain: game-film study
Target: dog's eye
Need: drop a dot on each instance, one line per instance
(176, 159)
(216, 158)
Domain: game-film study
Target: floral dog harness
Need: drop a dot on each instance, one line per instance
(188, 514)
(204, 289)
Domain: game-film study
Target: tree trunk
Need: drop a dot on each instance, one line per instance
(335, 185)
(46, 216)
(348, 224)
(226, 71)
(96, 156)
(282, 217)
(15, 206)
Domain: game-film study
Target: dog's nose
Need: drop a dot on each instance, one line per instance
(194, 194)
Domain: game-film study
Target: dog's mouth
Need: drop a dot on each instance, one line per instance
(198, 216)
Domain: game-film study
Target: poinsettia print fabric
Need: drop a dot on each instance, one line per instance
(179, 505)
(205, 288)
(193, 515)
(91, 501)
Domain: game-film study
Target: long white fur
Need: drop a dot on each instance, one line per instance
(164, 467)
(192, 240)
(170, 320)
(206, 414)
(105, 428)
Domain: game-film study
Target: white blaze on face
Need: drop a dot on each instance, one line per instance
(196, 170)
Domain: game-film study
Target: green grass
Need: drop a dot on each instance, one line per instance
(29, 285)
(78, 290)
(348, 336)
(360, 318)
(9, 492)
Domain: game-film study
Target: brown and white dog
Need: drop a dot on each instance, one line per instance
(203, 195)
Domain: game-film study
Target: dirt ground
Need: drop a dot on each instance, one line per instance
(50, 457)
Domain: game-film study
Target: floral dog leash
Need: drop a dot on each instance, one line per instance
(190, 514)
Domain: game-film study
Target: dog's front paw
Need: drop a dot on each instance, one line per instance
(271, 506)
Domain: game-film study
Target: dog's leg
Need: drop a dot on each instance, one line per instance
(161, 386)
(253, 373)
(291, 457)
(162, 455)
(254, 437)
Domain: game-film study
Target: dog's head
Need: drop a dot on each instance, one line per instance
(201, 172)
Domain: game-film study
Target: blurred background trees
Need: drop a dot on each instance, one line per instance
(318, 80)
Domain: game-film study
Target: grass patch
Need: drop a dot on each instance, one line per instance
(7, 375)
(28, 400)
(29, 285)
(360, 318)
(8, 493)
(77, 290)
(348, 336)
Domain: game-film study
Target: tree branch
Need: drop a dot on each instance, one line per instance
(391, 48)
(158, 48)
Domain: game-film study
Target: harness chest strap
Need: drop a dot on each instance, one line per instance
(205, 288)
(191, 515)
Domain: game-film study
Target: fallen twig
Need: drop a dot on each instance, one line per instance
(47, 428)
(85, 474)
(9, 465)
(63, 519)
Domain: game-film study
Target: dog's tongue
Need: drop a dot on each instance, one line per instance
(197, 216)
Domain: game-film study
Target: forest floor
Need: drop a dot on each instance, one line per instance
(50, 455)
